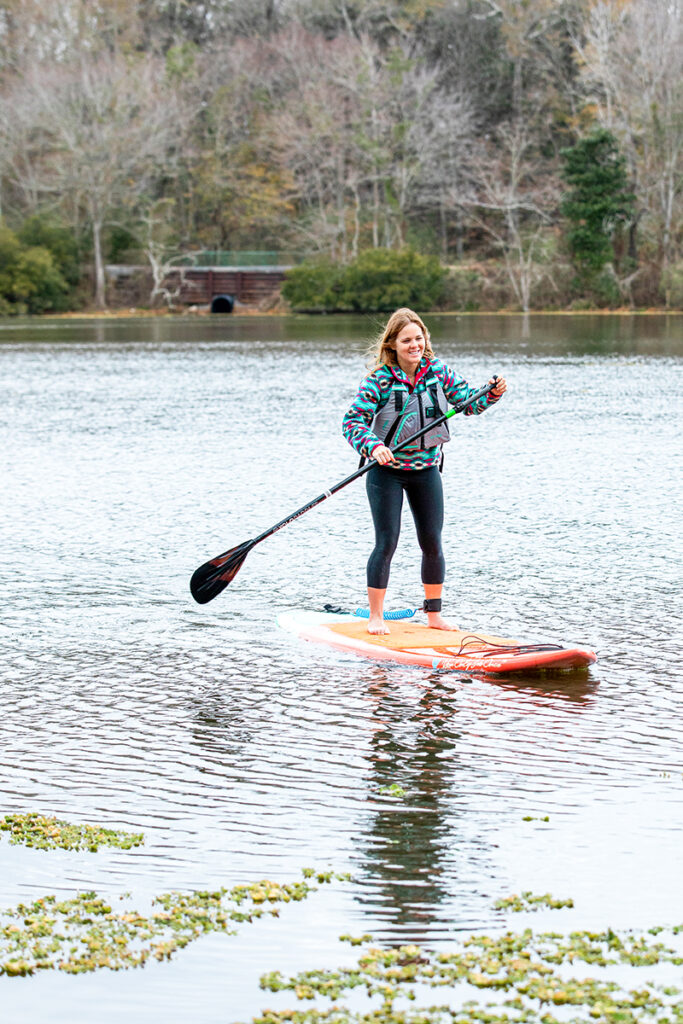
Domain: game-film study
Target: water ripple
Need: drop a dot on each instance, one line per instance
(241, 751)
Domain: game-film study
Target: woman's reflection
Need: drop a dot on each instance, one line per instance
(423, 839)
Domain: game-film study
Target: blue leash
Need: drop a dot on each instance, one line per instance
(404, 613)
(364, 613)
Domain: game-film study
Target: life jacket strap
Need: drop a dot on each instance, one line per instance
(434, 411)
(391, 432)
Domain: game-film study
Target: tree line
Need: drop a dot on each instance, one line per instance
(534, 147)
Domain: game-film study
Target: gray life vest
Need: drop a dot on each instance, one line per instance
(404, 413)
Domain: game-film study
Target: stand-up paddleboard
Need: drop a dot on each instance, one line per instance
(413, 644)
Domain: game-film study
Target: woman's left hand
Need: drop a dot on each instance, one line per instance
(500, 386)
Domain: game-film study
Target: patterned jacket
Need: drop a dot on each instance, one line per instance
(373, 393)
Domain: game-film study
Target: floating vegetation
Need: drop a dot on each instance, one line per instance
(325, 876)
(393, 790)
(528, 901)
(86, 933)
(356, 940)
(528, 817)
(46, 833)
(528, 975)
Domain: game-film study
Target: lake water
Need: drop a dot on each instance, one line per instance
(134, 450)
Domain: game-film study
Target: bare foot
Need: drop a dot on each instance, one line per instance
(435, 621)
(378, 627)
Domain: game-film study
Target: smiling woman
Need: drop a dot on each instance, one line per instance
(406, 389)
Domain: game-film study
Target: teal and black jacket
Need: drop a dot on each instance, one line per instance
(387, 400)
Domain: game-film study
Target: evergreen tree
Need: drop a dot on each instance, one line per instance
(597, 201)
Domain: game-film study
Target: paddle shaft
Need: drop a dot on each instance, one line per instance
(370, 464)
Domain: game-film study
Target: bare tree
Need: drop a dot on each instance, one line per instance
(53, 31)
(632, 67)
(515, 197)
(372, 92)
(407, 139)
(101, 134)
(322, 138)
(241, 189)
(370, 139)
(444, 135)
(534, 36)
(158, 240)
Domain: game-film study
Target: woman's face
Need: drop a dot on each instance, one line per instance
(409, 347)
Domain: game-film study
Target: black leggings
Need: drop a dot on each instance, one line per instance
(385, 489)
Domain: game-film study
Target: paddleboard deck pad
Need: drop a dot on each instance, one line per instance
(410, 643)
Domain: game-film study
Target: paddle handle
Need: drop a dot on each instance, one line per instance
(370, 464)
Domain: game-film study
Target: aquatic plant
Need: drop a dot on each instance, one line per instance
(86, 933)
(529, 901)
(528, 973)
(356, 940)
(325, 876)
(47, 833)
(393, 790)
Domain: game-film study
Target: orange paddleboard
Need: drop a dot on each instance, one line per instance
(410, 643)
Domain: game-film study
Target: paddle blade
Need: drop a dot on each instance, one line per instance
(211, 578)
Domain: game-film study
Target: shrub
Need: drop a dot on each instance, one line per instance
(47, 233)
(10, 251)
(379, 280)
(29, 280)
(312, 287)
(38, 282)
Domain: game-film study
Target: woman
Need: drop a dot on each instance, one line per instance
(407, 387)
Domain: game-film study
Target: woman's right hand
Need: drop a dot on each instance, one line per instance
(383, 455)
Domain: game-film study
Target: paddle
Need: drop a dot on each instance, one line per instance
(211, 578)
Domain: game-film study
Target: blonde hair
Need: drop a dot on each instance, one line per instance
(382, 353)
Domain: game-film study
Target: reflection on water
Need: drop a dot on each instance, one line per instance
(544, 334)
(415, 746)
(406, 844)
(240, 751)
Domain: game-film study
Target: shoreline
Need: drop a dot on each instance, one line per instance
(141, 313)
